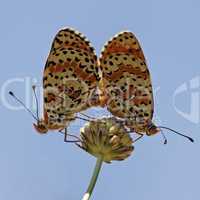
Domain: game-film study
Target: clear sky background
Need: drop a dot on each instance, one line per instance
(44, 167)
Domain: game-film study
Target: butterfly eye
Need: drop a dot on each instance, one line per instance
(42, 126)
(152, 127)
(151, 130)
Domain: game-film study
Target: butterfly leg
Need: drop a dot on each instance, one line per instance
(66, 138)
(87, 120)
(138, 138)
(85, 115)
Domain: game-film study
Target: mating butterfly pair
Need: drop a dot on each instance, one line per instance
(75, 79)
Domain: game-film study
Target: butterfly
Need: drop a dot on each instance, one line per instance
(69, 80)
(125, 85)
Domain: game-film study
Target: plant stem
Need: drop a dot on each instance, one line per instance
(93, 180)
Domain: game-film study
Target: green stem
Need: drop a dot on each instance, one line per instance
(93, 180)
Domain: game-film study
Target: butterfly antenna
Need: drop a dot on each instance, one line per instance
(36, 100)
(189, 138)
(164, 137)
(27, 109)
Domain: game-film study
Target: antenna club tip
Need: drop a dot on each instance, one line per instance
(33, 86)
(11, 93)
(191, 140)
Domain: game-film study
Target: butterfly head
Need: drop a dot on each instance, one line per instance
(152, 129)
(41, 127)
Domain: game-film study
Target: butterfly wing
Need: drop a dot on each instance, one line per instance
(125, 85)
(70, 76)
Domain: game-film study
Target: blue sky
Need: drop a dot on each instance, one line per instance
(44, 167)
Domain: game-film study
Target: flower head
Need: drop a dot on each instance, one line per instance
(106, 138)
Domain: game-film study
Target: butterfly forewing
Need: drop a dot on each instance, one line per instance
(70, 76)
(125, 85)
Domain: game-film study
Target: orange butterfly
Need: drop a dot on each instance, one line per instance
(125, 85)
(69, 80)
